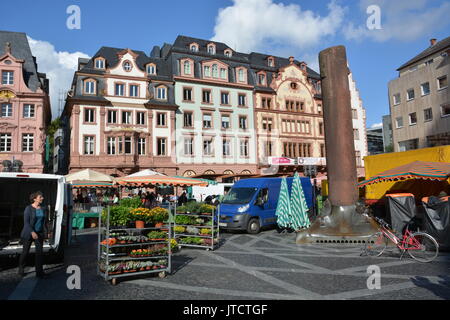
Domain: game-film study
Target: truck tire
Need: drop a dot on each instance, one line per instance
(253, 226)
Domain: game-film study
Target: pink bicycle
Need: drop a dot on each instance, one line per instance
(419, 245)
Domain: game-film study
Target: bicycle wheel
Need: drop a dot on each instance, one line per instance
(422, 247)
(376, 244)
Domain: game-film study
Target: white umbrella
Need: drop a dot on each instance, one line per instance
(88, 175)
(146, 172)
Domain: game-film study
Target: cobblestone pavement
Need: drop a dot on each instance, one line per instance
(264, 266)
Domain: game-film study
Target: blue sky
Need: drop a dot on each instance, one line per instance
(301, 28)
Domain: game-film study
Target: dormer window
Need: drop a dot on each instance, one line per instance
(151, 69)
(270, 62)
(242, 75)
(89, 86)
(127, 66)
(7, 77)
(99, 63)
(161, 93)
(211, 49)
(228, 53)
(193, 47)
(262, 79)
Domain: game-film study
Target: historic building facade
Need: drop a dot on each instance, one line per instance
(24, 104)
(120, 114)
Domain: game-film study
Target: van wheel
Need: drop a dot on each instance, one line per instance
(253, 226)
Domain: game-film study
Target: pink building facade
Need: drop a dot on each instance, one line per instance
(24, 104)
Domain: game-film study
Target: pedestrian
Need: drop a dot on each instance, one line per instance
(182, 199)
(116, 198)
(34, 230)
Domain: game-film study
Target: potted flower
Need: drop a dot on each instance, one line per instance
(159, 215)
(206, 209)
(181, 209)
(157, 235)
(141, 216)
(205, 232)
(179, 229)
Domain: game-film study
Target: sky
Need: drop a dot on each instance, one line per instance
(299, 28)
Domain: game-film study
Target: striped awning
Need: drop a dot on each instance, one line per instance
(414, 170)
(156, 181)
(91, 184)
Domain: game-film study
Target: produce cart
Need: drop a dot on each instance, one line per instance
(197, 230)
(124, 252)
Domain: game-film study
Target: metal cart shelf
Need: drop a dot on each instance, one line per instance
(144, 265)
(214, 227)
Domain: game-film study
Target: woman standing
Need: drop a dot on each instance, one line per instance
(33, 230)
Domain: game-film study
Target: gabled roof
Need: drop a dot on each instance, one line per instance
(20, 49)
(439, 46)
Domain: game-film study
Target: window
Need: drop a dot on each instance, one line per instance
(206, 96)
(226, 147)
(100, 64)
(187, 67)
(408, 145)
(358, 158)
(428, 114)
(127, 66)
(88, 145)
(225, 122)
(243, 147)
(319, 109)
(140, 118)
(7, 77)
(5, 142)
(215, 71)
(355, 134)
(161, 146)
(141, 146)
(89, 115)
(128, 142)
(151, 69)
(187, 94)
(119, 89)
(425, 87)
(207, 121)
(429, 62)
(134, 90)
(211, 49)
(399, 122)
(241, 75)
(6, 110)
(161, 93)
(188, 146)
(207, 147)
(270, 62)
(241, 99)
(445, 110)
(442, 82)
(412, 118)
(267, 124)
(322, 150)
(187, 119)
(194, 48)
(223, 73)
(321, 128)
(111, 145)
(228, 53)
(397, 99)
(161, 119)
(126, 117)
(28, 110)
(27, 142)
(410, 94)
(243, 122)
(261, 79)
(354, 114)
(120, 144)
(112, 116)
(89, 87)
(206, 71)
(224, 98)
(268, 149)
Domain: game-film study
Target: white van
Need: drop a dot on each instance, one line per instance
(15, 190)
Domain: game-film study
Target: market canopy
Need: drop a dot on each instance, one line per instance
(156, 180)
(414, 170)
(88, 175)
(91, 184)
(211, 182)
(143, 173)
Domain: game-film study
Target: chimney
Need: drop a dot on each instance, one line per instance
(433, 42)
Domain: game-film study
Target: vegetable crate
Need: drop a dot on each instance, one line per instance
(130, 251)
(197, 229)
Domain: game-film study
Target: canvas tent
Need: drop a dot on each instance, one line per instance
(437, 220)
(401, 210)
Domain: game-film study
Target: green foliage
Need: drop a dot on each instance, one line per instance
(118, 215)
(179, 219)
(206, 208)
(131, 202)
(193, 207)
(191, 240)
(157, 235)
(389, 148)
(181, 209)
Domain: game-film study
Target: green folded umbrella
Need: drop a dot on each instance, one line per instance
(283, 211)
(299, 207)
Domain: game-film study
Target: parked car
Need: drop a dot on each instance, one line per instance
(251, 203)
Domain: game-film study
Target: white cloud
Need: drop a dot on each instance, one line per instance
(401, 20)
(261, 25)
(59, 67)
(377, 125)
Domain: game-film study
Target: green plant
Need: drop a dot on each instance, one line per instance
(184, 220)
(179, 229)
(193, 207)
(131, 202)
(157, 235)
(206, 208)
(159, 214)
(181, 209)
(191, 240)
(205, 231)
(118, 216)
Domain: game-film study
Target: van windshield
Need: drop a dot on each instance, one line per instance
(239, 195)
